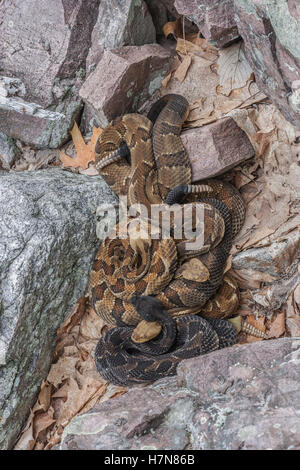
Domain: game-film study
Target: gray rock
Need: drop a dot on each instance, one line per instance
(275, 259)
(9, 152)
(47, 244)
(120, 23)
(271, 34)
(124, 79)
(42, 66)
(215, 19)
(243, 397)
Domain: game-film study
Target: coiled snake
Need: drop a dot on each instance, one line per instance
(151, 288)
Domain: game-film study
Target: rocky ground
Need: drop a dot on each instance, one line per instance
(238, 64)
(245, 397)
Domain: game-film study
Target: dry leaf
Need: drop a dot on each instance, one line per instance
(297, 295)
(79, 397)
(62, 370)
(39, 446)
(85, 153)
(174, 67)
(173, 28)
(233, 68)
(182, 70)
(292, 317)
(73, 381)
(26, 441)
(240, 180)
(257, 237)
(44, 398)
(277, 327)
(112, 391)
(92, 326)
(200, 48)
(166, 80)
(74, 317)
(94, 398)
(41, 422)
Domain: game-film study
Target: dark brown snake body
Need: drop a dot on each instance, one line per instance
(181, 281)
(123, 362)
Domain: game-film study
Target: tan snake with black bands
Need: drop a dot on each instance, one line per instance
(183, 282)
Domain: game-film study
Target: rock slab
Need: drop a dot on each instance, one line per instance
(120, 23)
(271, 32)
(215, 19)
(42, 66)
(216, 148)
(249, 397)
(47, 244)
(124, 80)
(243, 397)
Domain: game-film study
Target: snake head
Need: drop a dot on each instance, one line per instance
(148, 307)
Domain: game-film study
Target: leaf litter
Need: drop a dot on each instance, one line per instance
(217, 84)
(85, 153)
(73, 385)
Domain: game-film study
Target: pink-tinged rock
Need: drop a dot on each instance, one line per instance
(120, 23)
(216, 148)
(43, 52)
(233, 384)
(124, 79)
(37, 126)
(271, 32)
(215, 19)
(143, 418)
(243, 397)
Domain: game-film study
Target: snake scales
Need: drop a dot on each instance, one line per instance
(151, 288)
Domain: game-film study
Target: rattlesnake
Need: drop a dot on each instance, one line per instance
(123, 362)
(144, 159)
